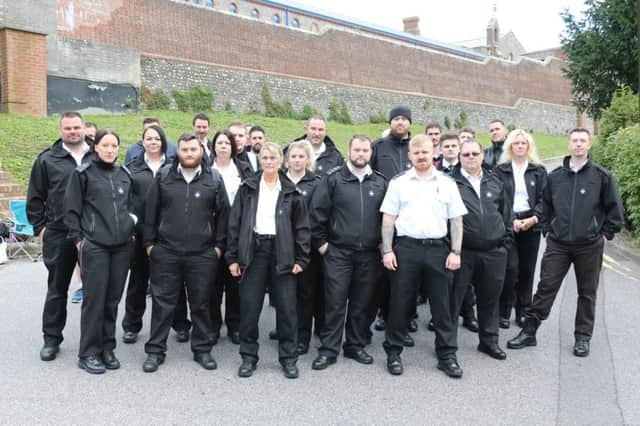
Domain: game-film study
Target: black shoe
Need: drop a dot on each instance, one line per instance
(92, 364)
(581, 348)
(413, 326)
(493, 351)
(302, 348)
(49, 351)
(205, 360)
(152, 362)
(471, 324)
(110, 361)
(130, 337)
(408, 341)
(504, 323)
(380, 324)
(520, 321)
(322, 361)
(450, 368)
(214, 338)
(247, 368)
(273, 335)
(394, 365)
(235, 337)
(359, 355)
(431, 326)
(182, 336)
(527, 336)
(290, 370)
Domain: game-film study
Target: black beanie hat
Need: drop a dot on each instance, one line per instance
(400, 110)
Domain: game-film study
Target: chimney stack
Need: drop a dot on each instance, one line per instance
(411, 25)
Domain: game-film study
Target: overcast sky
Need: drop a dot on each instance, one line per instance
(537, 24)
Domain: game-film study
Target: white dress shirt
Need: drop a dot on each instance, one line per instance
(80, 156)
(520, 195)
(189, 177)
(266, 212)
(475, 181)
(231, 178)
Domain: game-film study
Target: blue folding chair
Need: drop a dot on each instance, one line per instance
(21, 230)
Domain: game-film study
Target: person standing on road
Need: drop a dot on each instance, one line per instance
(581, 207)
(45, 211)
(417, 206)
(99, 213)
(184, 235)
(345, 217)
(524, 179)
(487, 235)
(269, 240)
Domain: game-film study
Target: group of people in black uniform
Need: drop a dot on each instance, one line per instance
(338, 245)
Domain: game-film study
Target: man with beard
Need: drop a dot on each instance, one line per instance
(326, 155)
(184, 235)
(498, 134)
(433, 130)
(256, 140)
(345, 217)
(47, 186)
(417, 208)
(201, 126)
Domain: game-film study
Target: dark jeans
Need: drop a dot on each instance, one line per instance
(587, 263)
(350, 275)
(421, 260)
(170, 274)
(310, 299)
(60, 256)
(104, 272)
(485, 270)
(252, 290)
(228, 285)
(521, 265)
(136, 299)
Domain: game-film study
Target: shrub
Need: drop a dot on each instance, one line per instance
(155, 99)
(195, 99)
(461, 121)
(624, 111)
(344, 118)
(447, 122)
(228, 107)
(378, 118)
(308, 111)
(511, 127)
(339, 112)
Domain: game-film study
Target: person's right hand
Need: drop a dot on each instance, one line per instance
(41, 234)
(149, 248)
(390, 262)
(323, 249)
(234, 269)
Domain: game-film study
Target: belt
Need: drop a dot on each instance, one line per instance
(524, 214)
(426, 241)
(264, 237)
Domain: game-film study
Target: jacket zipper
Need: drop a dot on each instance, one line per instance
(573, 201)
(115, 207)
(361, 213)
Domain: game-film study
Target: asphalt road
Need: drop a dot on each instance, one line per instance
(540, 386)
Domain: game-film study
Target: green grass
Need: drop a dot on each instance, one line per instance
(22, 138)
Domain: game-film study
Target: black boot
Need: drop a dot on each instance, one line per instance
(527, 336)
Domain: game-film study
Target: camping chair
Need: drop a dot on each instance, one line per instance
(21, 230)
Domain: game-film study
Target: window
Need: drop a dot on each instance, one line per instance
(275, 18)
(255, 13)
(233, 8)
(295, 23)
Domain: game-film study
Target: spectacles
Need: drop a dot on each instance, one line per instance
(469, 154)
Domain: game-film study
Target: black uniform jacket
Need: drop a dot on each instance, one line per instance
(488, 223)
(326, 161)
(535, 178)
(580, 207)
(98, 204)
(47, 186)
(391, 155)
(345, 212)
(141, 181)
(186, 218)
(293, 234)
(492, 155)
(307, 186)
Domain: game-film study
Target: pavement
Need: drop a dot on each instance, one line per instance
(543, 385)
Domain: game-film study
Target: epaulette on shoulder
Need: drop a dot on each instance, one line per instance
(375, 172)
(402, 173)
(82, 167)
(333, 170)
(126, 170)
(602, 169)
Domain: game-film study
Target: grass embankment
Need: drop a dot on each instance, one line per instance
(22, 138)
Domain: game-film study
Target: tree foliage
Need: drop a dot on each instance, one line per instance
(602, 49)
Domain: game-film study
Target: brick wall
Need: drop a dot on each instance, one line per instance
(174, 30)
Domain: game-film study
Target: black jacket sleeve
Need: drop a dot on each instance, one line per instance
(302, 230)
(37, 196)
(320, 212)
(541, 185)
(507, 215)
(73, 202)
(612, 205)
(151, 214)
(545, 212)
(221, 217)
(233, 227)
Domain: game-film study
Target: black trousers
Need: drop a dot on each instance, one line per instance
(421, 260)
(485, 270)
(521, 265)
(104, 272)
(225, 284)
(60, 256)
(136, 299)
(261, 271)
(350, 276)
(587, 263)
(170, 274)
(310, 299)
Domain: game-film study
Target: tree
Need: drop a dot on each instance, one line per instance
(602, 49)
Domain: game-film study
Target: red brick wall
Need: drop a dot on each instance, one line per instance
(23, 62)
(165, 28)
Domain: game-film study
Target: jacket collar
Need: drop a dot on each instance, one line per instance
(566, 164)
(57, 150)
(286, 185)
